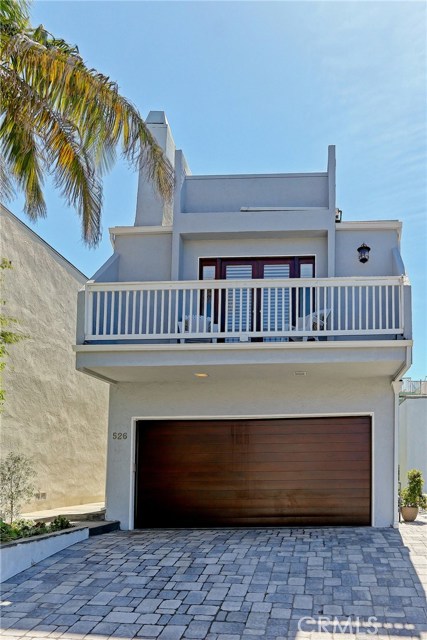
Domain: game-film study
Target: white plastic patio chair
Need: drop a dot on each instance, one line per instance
(312, 322)
(197, 324)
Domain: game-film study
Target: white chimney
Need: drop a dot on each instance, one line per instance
(150, 207)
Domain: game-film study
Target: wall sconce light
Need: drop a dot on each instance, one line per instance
(363, 251)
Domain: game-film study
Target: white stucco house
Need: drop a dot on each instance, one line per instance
(52, 413)
(413, 429)
(254, 353)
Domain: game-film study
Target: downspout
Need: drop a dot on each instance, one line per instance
(397, 386)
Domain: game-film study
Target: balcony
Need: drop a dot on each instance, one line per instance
(245, 311)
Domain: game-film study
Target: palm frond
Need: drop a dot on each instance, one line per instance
(6, 181)
(13, 15)
(64, 155)
(21, 157)
(93, 103)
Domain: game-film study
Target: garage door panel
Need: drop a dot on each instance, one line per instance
(254, 494)
(256, 457)
(279, 507)
(300, 505)
(207, 430)
(275, 445)
(334, 474)
(297, 466)
(191, 484)
(252, 473)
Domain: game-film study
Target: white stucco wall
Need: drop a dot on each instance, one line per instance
(144, 258)
(228, 396)
(413, 437)
(53, 413)
(230, 193)
(381, 261)
(17, 557)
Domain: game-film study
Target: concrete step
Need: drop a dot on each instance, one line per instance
(87, 517)
(76, 513)
(97, 516)
(107, 526)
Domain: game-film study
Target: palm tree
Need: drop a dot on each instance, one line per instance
(61, 118)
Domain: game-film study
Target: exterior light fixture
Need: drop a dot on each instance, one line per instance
(201, 375)
(363, 251)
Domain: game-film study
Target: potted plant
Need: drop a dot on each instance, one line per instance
(412, 497)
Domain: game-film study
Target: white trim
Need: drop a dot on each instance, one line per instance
(136, 231)
(396, 386)
(289, 416)
(262, 416)
(188, 284)
(343, 344)
(129, 231)
(259, 209)
(132, 474)
(369, 225)
(238, 176)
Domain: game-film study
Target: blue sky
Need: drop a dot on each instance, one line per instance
(265, 87)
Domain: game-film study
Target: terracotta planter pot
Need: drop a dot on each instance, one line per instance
(409, 513)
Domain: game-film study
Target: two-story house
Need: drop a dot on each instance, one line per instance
(254, 343)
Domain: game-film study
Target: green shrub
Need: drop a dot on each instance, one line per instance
(7, 532)
(59, 523)
(27, 528)
(412, 495)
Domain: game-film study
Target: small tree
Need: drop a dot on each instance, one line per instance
(412, 495)
(16, 487)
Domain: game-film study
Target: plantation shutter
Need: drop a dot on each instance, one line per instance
(275, 302)
(238, 301)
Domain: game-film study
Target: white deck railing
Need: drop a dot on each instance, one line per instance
(243, 310)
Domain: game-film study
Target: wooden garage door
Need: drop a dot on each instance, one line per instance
(314, 471)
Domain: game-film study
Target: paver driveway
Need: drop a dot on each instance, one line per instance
(225, 585)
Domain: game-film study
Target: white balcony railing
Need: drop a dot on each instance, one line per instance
(244, 310)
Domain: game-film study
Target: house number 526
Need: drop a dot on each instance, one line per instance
(119, 436)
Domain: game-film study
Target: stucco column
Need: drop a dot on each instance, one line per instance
(397, 386)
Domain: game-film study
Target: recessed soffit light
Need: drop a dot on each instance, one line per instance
(201, 375)
(300, 373)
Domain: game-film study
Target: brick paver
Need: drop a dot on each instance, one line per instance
(227, 584)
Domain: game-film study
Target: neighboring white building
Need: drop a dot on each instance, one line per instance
(413, 429)
(254, 360)
(52, 412)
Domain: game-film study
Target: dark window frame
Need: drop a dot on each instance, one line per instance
(258, 263)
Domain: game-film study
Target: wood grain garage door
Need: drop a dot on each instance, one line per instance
(314, 471)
